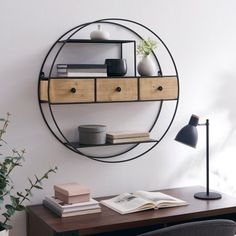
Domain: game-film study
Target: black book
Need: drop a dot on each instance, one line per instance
(82, 69)
(81, 66)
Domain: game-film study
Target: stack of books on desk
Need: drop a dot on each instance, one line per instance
(127, 137)
(75, 209)
(82, 70)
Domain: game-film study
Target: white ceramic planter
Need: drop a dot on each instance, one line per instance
(147, 67)
(99, 34)
(4, 233)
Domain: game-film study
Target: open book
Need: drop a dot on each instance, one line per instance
(141, 200)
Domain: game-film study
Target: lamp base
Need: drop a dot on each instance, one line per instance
(205, 196)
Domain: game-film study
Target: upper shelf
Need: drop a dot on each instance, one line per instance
(96, 41)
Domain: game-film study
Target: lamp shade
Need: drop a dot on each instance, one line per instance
(188, 134)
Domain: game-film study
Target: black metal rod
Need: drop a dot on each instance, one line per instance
(135, 60)
(207, 157)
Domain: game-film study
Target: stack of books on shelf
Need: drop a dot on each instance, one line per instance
(75, 209)
(127, 137)
(82, 70)
(71, 199)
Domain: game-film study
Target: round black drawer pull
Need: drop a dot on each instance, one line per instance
(118, 89)
(73, 90)
(160, 88)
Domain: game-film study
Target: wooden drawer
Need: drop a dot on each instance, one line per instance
(158, 88)
(123, 89)
(68, 90)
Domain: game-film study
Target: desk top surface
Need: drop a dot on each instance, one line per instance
(108, 220)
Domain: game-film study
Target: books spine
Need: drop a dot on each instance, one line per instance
(80, 70)
(127, 135)
(80, 74)
(128, 140)
(74, 213)
(81, 66)
(71, 209)
(58, 203)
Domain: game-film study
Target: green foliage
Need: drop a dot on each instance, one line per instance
(146, 47)
(7, 165)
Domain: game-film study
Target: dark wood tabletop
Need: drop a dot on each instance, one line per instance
(109, 220)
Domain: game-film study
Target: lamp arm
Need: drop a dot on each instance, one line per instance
(207, 154)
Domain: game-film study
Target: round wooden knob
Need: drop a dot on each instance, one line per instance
(159, 88)
(73, 90)
(118, 89)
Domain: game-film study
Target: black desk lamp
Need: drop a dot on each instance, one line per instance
(188, 135)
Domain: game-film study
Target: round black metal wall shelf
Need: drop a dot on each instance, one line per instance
(50, 59)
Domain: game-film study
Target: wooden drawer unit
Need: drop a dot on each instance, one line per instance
(123, 89)
(68, 90)
(158, 88)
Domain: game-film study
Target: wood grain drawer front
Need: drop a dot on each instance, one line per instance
(69, 90)
(123, 89)
(158, 88)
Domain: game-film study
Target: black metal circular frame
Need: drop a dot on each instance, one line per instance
(66, 142)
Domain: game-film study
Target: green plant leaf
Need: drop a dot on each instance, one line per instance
(20, 194)
(6, 226)
(6, 215)
(15, 201)
(38, 187)
(20, 208)
(10, 209)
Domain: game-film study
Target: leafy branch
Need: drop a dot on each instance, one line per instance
(18, 199)
(146, 47)
(6, 185)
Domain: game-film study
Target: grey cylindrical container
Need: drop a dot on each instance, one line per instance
(92, 134)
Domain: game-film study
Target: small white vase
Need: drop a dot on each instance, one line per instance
(99, 34)
(147, 67)
(4, 233)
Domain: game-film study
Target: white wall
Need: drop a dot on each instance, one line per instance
(201, 36)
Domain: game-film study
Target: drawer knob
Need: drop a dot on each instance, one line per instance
(159, 88)
(118, 89)
(73, 90)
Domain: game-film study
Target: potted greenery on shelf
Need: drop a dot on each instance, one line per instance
(11, 201)
(146, 67)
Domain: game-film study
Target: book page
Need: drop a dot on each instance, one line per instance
(126, 203)
(160, 199)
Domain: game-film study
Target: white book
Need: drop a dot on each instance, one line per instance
(85, 74)
(128, 140)
(141, 200)
(73, 213)
(63, 207)
(87, 70)
(127, 134)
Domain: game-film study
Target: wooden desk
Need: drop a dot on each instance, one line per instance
(42, 222)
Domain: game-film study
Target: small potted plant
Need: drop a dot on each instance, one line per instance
(146, 67)
(11, 201)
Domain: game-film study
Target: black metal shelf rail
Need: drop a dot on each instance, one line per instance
(99, 102)
(96, 41)
(72, 32)
(79, 145)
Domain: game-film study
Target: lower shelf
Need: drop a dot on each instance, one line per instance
(79, 145)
